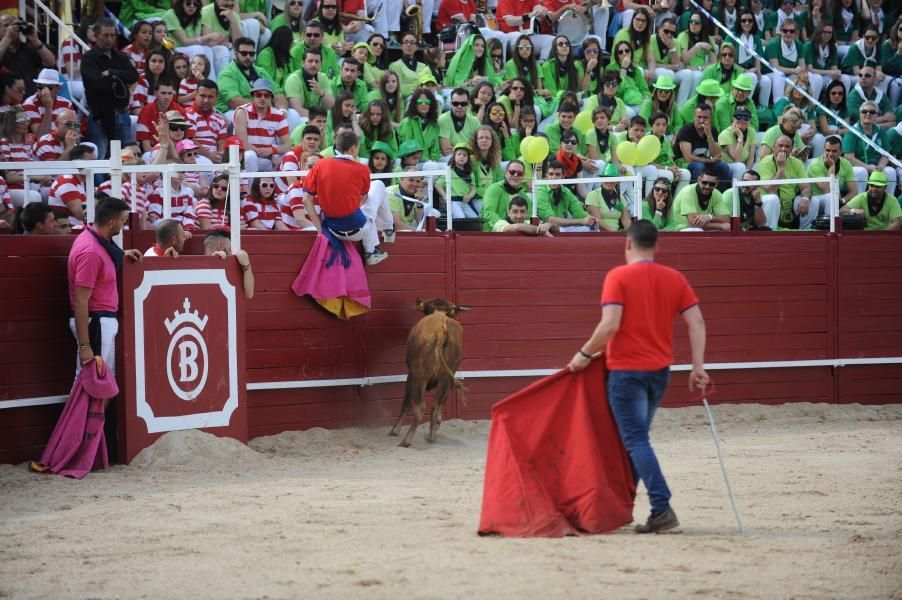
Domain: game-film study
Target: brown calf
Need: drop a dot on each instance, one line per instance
(433, 354)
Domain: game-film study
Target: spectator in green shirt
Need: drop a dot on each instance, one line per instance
(880, 209)
(499, 194)
(737, 143)
(867, 90)
(237, 77)
(787, 58)
(559, 206)
(699, 207)
(633, 86)
(291, 17)
(516, 220)
(865, 158)
(798, 208)
(751, 209)
(313, 38)
(309, 87)
(697, 51)
(140, 10)
(832, 164)
(184, 26)
(725, 106)
(458, 125)
(351, 81)
(891, 61)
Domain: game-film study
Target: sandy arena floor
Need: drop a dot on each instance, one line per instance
(348, 514)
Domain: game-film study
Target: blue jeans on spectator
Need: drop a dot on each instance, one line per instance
(123, 133)
(634, 397)
(724, 174)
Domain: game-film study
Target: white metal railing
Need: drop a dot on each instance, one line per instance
(62, 28)
(636, 180)
(833, 211)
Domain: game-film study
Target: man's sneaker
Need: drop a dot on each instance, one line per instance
(375, 257)
(388, 236)
(656, 524)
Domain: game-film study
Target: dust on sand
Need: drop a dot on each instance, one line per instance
(346, 514)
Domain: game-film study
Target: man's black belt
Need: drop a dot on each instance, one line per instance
(347, 233)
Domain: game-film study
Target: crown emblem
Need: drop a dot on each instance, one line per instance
(185, 317)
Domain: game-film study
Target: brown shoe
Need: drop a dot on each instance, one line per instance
(665, 521)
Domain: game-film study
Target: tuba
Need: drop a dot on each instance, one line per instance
(415, 12)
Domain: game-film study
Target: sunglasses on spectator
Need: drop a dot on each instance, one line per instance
(727, 54)
(424, 101)
(176, 127)
(515, 172)
(746, 20)
(868, 111)
(261, 94)
(190, 153)
(663, 190)
(790, 30)
(295, 3)
(562, 44)
(221, 188)
(870, 37)
(568, 141)
(867, 75)
(267, 186)
(312, 35)
(706, 183)
(458, 103)
(70, 124)
(524, 47)
(330, 7)
(590, 51)
(624, 51)
(695, 21)
(520, 88)
(668, 31)
(610, 83)
(377, 45)
(497, 113)
(247, 52)
(192, 2)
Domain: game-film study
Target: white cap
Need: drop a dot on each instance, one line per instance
(49, 77)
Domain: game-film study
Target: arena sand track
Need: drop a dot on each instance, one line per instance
(348, 514)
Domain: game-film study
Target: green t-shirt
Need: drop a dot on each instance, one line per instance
(722, 116)
(664, 57)
(610, 215)
(771, 135)
(485, 176)
(592, 142)
(406, 210)
(633, 90)
(616, 115)
(856, 99)
(663, 223)
(568, 207)
(495, 202)
(173, 25)
(890, 59)
(553, 132)
(281, 20)
(855, 58)
(638, 53)
(727, 137)
(233, 84)
(795, 169)
(782, 104)
(687, 203)
(209, 19)
(889, 212)
(447, 130)
(702, 57)
(869, 156)
(844, 175)
(371, 76)
(459, 186)
(329, 64)
(266, 60)
(138, 10)
(773, 50)
(813, 58)
(296, 88)
(758, 47)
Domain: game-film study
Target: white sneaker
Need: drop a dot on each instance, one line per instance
(375, 257)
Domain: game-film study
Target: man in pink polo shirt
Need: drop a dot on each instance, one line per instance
(93, 263)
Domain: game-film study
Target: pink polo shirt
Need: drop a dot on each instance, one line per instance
(90, 266)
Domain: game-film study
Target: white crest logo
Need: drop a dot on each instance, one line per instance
(186, 330)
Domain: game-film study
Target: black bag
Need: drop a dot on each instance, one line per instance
(850, 222)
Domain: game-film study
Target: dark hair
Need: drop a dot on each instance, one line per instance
(243, 41)
(432, 115)
(381, 61)
(554, 164)
(137, 27)
(208, 83)
(639, 39)
(185, 20)
(703, 106)
(711, 171)
(825, 94)
(351, 61)
(639, 120)
(150, 77)
(255, 188)
(316, 111)
(567, 107)
(164, 80)
(643, 234)
(280, 44)
(311, 130)
(650, 197)
(104, 22)
(315, 51)
(108, 208)
(597, 74)
(29, 216)
(755, 173)
(476, 89)
(528, 93)
(214, 202)
(518, 201)
(219, 232)
(331, 26)
(338, 117)
(166, 229)
(702, 34)
(525, 67)
(459, 91)
(384, 130)
(344, 140)
(738, 26)
(78, 152)
(658, 115)
(831, 139)
(315, 24)
(396, 110)
(569, 66)
(481, 62)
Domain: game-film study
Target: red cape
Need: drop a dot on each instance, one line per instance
(556, 465)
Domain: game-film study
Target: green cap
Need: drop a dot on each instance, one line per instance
(611, 170)
(409, 147)
(877, 178)
(709, 87)
(744, 83)
(463, 146)
(665, 82)
(380, 146)
(427, 77)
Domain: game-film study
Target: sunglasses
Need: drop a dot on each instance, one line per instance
(190, 153)
(424, 101)
(707, 183)
(515, 172)
(377, 45)
(867, 75)
(870, 37)
(746, 20)
(661, 189)
(267, 186)
(624, 51)
(563, 44)
(261, 94)
(458, 104)
(723, 54)
(173, 127)
(742, 118)
(192, 3)
(221, 188)
(590, 51)
(568, 141)
(295, 3)
(524, 47)
(788, 30)
(330, 7)
(515, 88)
(247, 52)
(668, 31)
(868, 111)
(497, 113)
(611, 84)
(71, 124)
(313, 35)
(695, 22)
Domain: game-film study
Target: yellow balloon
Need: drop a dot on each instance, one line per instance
(583, 121)
(628, 153)
(649, 148)
(524, 145)
(536, 150)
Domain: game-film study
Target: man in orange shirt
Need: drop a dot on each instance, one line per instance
(639, 303)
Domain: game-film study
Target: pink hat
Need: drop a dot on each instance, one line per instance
(185, 145)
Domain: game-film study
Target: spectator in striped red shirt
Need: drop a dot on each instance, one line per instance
(147, 131)
(181, 202)
(209, 129)
(212, 209)
(310, 142)
(260, 209)
(45, 103)
(17, 145)
(262, 128)
(139, 48)
(172, 128)
(198, 70)
(7, 213)
(59, 143)
(294, 214)
(67, 194)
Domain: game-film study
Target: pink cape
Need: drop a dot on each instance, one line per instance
(343, 292)
(555, 464)
(78, 443)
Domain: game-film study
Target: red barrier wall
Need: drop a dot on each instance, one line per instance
(765, 297)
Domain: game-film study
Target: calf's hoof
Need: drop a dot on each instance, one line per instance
(404, 444)
(393, 433)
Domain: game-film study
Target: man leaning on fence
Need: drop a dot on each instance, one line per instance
(798, 208)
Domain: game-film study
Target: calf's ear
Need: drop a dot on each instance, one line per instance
(461, 309)
(420, 305)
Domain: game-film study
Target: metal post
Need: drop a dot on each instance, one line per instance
(167, 194)
(535, 194)
(449, 203)
(89, 193)
(637, 196)
(235, 196)
(428, 210)
(834, 202)
(116, 171)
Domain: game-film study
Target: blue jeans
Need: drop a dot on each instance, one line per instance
(634, 397)
(123, 133)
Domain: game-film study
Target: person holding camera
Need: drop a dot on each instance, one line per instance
(22, 52)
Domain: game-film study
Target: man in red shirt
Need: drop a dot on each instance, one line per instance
(150, 115)
(58, 144)
(341, 186)
(516, 17)
(455, 11)
(639, 303)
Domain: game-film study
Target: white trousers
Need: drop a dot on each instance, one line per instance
(109, 327)
(772, 207)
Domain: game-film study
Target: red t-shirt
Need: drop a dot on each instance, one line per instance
(515, 8)
(652, 295)
(338, 184)
(449, 8)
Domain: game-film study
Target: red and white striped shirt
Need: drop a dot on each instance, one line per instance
(291, 161)
(141, 94)
(137, 202)
(265, 131)
(206, 130)
(182, 201)
(187, 86)
(138, 58)
(65, 190)
(70, 52)
(264, 210)
(49, 147)
(35, 110)
(217, 215)
(146, 130)
(5, 199)
(17, 152)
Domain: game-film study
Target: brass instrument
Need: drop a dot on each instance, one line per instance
(354, 17)
(415, 12)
